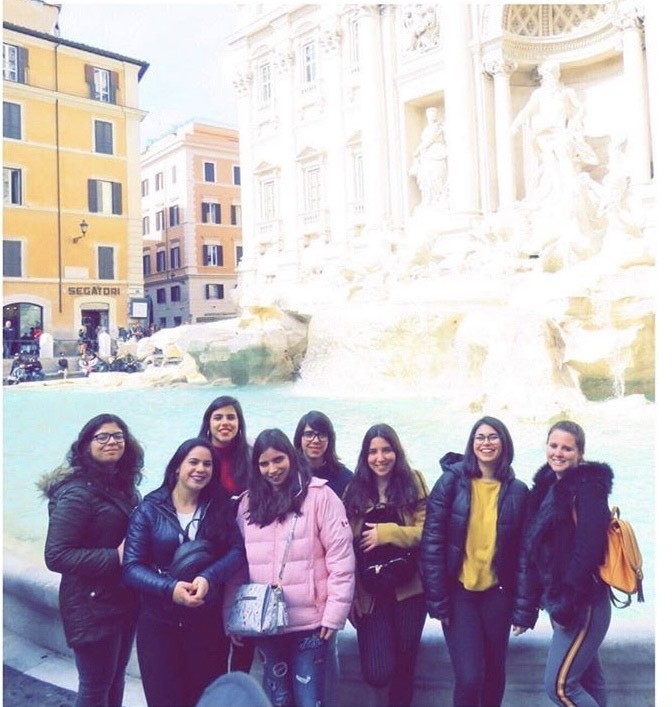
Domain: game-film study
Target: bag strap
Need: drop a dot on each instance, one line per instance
(290, 537)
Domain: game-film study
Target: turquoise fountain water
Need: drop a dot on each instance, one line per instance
(40, 422)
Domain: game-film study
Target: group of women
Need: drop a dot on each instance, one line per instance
(482, 553)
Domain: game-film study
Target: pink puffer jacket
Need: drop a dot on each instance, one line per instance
(319, 577)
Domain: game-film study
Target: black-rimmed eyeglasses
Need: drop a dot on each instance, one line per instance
(105, 437)
(310, 435)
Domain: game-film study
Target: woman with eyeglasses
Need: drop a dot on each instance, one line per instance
(315, 439)
(385, 503)
(286, 515)
(223, 424)
(181, 643)
(469, 553)
(91, 497)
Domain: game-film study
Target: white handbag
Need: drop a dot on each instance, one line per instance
(260, 609)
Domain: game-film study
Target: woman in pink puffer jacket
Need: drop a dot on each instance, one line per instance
(319, 575)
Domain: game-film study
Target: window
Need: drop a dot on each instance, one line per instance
(104, 197)
(175, 257)
(267, 200)
(175, 293)
(235, 215)
(308, 63)
(103, 132)
(211, 212)
(102, 83)
(239, 254)
(213, 255)
(160, 261)
(358, 176)
(161, 298)
(11, 120)
(312, 186)
(11, 258)
(264, 83)
(144, 186)
(236, 174)
(162, 320)
(177, 321)
(11, 185)
(214, 292)
(209, 171)
(174, 216)
(14, 62)
(158, 181)
(159, 220)
(105, 262)
(145, 225)
(146, 264)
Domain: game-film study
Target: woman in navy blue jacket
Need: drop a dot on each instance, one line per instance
(469, 552)
(181, 644)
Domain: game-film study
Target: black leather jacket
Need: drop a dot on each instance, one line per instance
(560, 557)
(88, 518)
(445, 532)
(153, 536)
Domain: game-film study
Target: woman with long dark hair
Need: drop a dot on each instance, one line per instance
(564, 544)
(385, 503)
(91, 497)
(286, 513)
(181, 644)
(223, 424)
(470, 544)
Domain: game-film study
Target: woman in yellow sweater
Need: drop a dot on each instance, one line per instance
(469, 555)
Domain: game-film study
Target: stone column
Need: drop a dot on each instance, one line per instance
(374, 134)
(460, 107)
(634, 67)
(500, 69)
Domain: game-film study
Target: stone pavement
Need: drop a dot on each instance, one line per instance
(19, 689)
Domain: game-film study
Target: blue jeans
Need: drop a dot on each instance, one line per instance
(102, 669)
(573, 669)
(294, 668)
(478, 637)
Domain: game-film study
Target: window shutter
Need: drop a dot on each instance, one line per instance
(105, 263)
(116, 198)
(218, 213)
(205, 255)
(220, 258)
(11, 120)
(11, 258)
(114, 86)
(88, 76)
(22, 63)
(204, 213)
(93, 196)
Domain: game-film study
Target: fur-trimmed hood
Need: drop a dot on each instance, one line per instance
(48, 483)
(590, 472)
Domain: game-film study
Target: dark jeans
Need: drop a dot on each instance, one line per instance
(478, 638)
(294, 668)
(241, 657)
(388, 641)
(179, 659)
(101, 667)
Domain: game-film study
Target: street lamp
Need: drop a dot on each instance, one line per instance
(83, 227)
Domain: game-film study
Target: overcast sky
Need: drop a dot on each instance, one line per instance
(184, 44)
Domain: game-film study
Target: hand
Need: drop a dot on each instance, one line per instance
(200, 587)
(326, 633)
(518, 630)
(185, 594)
(120, 550)
(369, 538)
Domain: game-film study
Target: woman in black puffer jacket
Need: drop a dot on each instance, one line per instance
(91, 498)
(181, 642)
(470, 545)
(564, 543)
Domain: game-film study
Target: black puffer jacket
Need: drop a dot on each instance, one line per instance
(88, 518)
(154, 534)
(445, 532)
(559, 561)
